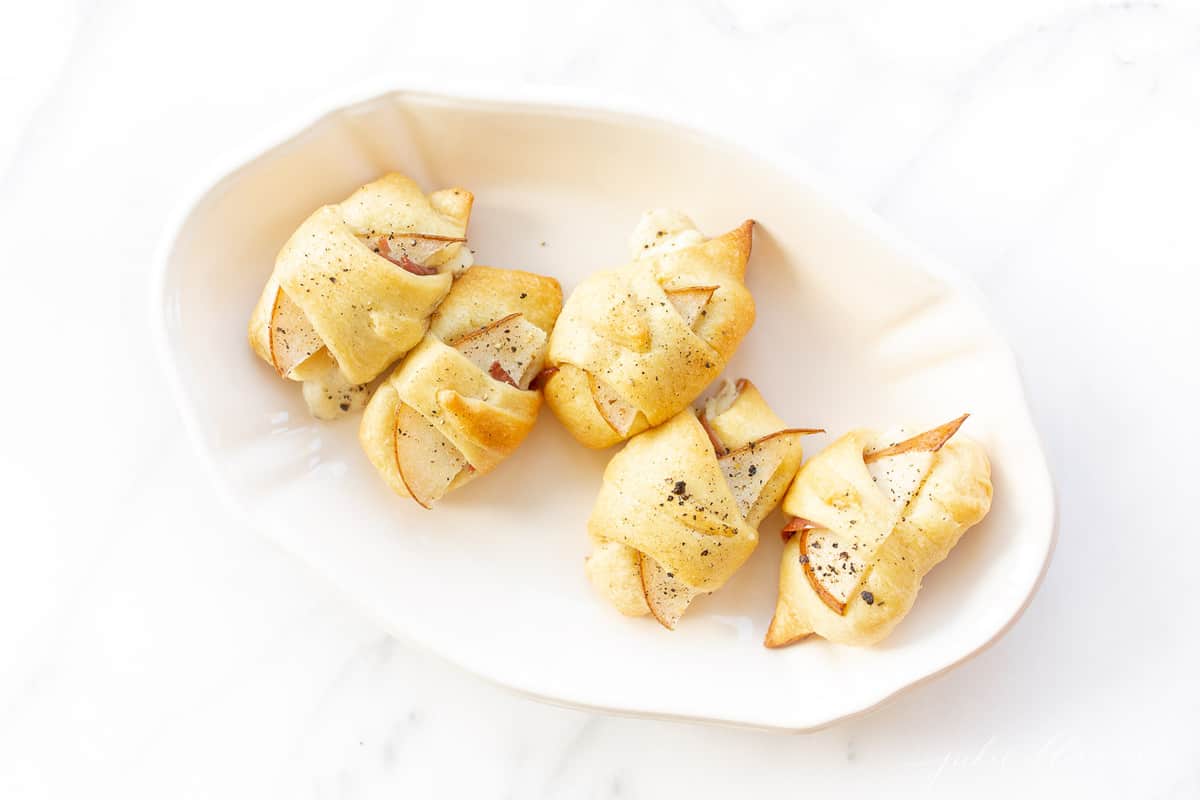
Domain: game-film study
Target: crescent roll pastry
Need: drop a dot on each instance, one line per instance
(637, 344)
(871, 515)
(679, 509)
(461, 401)
(355, 285)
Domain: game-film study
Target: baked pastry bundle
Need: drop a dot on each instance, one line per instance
(680, 504)
(872, 514)
(383, 277)
(637, 344)
(461, 402)
(353, 288)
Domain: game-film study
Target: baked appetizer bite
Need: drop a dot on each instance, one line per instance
(355, 285)
(679, 509)
(462, 401)
(637, 344)
(871, 515)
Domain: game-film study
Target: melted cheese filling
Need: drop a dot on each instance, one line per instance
(326, 391)
(662, 230)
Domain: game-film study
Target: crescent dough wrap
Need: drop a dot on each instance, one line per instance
(669, 499)
(888, 523)
(450, 411)
(637, 344)
(353, 288)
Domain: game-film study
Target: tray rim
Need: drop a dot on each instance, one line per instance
(563, 100)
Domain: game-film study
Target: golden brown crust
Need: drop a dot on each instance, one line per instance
(955, 495)
(394, 203)
(573, 399)
(785, 629)
(486, 419)
(637, 505)
(494, 430)
(481, 290)
(664, 496)
(930, 441)
(620, 327)
(367, 311)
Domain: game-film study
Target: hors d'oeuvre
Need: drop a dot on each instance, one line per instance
(871, 515)
(354, 287)
(680, 505)
(637, 344)
(464, 399)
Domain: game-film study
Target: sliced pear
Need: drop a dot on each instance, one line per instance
(899, 476)
(832, 565)
(796, 525)
(400, 256)
(748, 469)
(718, 446)
(899, 470)
(930, 441)
(511, 349)
(426, 460)
(618, 413)
(292, 337)
(836, 563)
(690, 302)
(418, 253)
(667, 596)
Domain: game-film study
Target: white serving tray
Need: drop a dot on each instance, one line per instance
(854, 328)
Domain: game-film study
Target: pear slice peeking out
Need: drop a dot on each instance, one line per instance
(292, 337)
(418, 253)
(428, 463)
(748, 469)
(929, 442)
(831, 569)
(836, 563)
(511, 347)
(617, 412)
(667, 596)
(690, 302)
(713, 437)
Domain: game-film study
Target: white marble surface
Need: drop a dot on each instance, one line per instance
(154, 648)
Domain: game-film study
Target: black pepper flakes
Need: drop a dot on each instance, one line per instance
(868, 598)
(680, 487)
